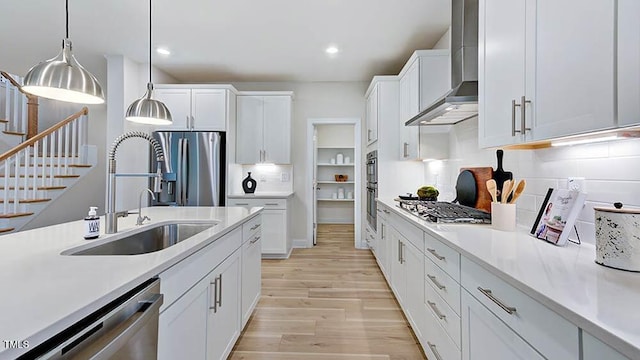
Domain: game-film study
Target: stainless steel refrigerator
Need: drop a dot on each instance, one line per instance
(194, 168)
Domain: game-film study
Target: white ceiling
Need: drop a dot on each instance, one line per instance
(230, 40)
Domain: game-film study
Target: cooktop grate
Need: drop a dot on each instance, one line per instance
(444, 212)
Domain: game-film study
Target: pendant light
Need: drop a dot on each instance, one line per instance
(63, 78)
(146, 110)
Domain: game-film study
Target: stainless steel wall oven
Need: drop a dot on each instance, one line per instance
(372, 187)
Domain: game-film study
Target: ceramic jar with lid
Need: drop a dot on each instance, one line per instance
(618, 237)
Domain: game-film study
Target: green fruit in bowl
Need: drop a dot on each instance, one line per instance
(428, 192)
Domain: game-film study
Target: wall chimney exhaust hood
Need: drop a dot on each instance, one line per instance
(461, 103)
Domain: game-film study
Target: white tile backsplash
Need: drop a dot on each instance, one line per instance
(269, 177)
(611, 170)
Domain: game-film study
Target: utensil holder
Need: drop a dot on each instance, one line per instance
(503, 216)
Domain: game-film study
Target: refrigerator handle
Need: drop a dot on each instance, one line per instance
(185, 171)
(178, 189)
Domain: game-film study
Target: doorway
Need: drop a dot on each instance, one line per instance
(333, 175)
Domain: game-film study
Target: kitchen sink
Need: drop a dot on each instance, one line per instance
(147, 241)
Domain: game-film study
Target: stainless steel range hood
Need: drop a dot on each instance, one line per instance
(461, 103)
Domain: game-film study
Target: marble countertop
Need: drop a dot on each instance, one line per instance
(263, 195)
(600, 300)
(44, 292)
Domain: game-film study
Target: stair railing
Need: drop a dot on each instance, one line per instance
(15, 103)
(43, 159)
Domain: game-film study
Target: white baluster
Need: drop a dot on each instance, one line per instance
(16, 109)
(44, 160)
(24, 114)
(5, 200)
(16, 178)
(52, 151)
(27, 155)
(60, 149)
(35, 169)
(74, 141)
(7, 100)
(67, 143)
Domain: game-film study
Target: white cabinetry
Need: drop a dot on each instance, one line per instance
(594, 349)
(251, 267)
(224, 311)
(628, 62)
(372, 116)
(485, 337)
(195, 108)
(533, 83)
(276, 238)
(383, 242)
(263, 129)
(182, 328)
(424, 79)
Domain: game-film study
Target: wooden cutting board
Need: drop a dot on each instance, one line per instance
(482, 174)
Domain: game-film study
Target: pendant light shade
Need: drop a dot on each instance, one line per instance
(146, 110)
(149, 111)
(63, 78)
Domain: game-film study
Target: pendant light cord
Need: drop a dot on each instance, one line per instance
(150, 43)
(67, 18)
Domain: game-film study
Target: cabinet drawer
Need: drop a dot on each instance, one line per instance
(437, 344)
(444, 314)
(442, 284)
(176, 280)
(549, 333)
(443, 256)
(251, 227)
(265, 203)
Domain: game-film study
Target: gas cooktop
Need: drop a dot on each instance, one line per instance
(444, 212)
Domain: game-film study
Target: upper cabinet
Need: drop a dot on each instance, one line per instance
(628, 62)
(424, 79)
(264, 128)
(546, 69)
(372, 115)
(195, 108)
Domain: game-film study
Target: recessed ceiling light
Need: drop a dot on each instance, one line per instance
(332, 50)
(163, 51)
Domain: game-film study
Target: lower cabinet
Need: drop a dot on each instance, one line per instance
(224, 317)
(594, 349)
(485, 336)
(182, 328)
(276, 238)
(210, 295)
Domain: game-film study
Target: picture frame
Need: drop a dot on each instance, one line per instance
(557, 215)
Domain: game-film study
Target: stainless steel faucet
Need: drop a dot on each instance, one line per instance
(141, 218)
(111, 216)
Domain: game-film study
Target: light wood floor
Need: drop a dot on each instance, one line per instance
(330, 302)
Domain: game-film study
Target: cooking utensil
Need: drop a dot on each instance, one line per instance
(466, 189)
(506, 190)
(492, 188)
(499, 175)
(409, 196)
(483, 198)
(519, 189)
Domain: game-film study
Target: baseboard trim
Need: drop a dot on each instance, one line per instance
(336, 221)
(277, 256)
(300, 243)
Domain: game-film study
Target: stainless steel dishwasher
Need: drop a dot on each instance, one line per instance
(125, 329)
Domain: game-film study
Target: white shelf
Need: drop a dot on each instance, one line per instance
(325, 164)
(336, 200)
(334, 182)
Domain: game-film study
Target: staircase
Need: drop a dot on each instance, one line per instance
(35, 172)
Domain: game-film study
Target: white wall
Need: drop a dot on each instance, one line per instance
(312, 100)
(611, 170)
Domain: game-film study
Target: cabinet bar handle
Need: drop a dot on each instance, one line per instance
(406, 149)
(242, 204)
(386, 211)
(255, 239)
(435, 351)
(254, 226)
(378, 210)
(271, 204)
(523, 112)
(436, 310)
(368, 134)
(486, 292)
(215, 296)
(399, 252)
(434, 253)
(220, 293)
(402, 252)
(513, 118)
(436, 282)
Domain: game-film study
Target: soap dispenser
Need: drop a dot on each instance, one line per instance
(92, 224)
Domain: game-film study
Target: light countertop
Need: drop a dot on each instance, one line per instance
(44, 292)
(600, 300)
(263, 195)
